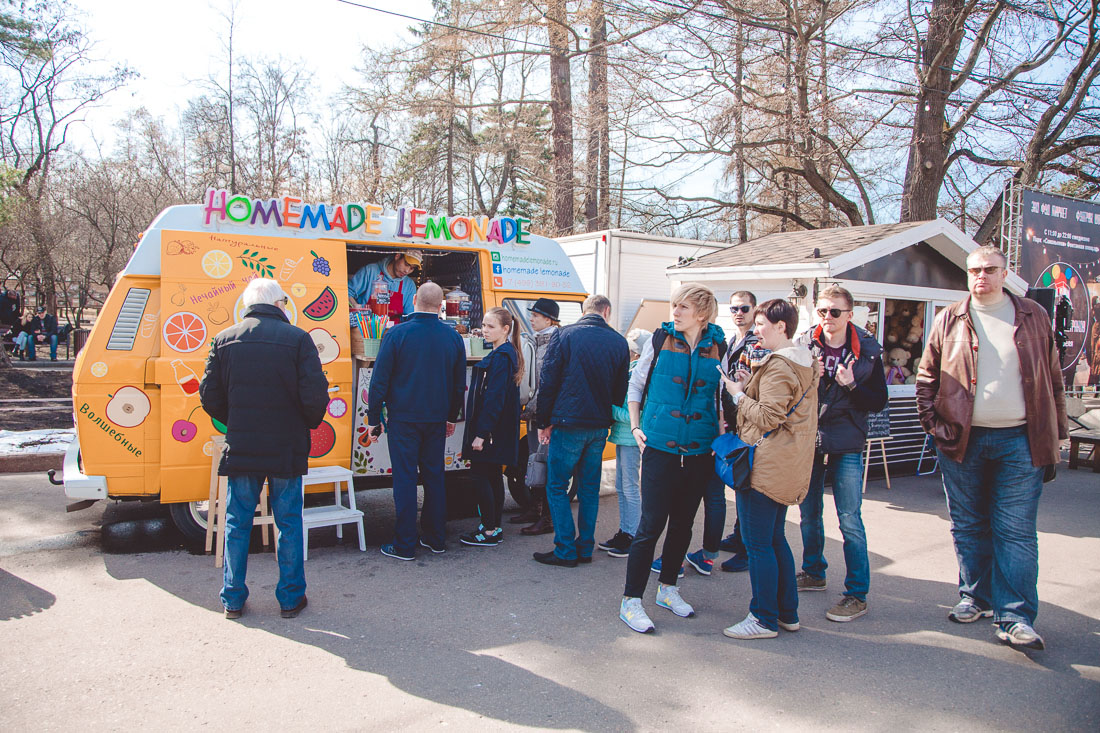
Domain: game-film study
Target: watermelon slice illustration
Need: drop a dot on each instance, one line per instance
(323, 307)
(321, 440)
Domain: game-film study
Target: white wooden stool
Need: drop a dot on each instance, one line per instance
(216, 508)
(337, 514)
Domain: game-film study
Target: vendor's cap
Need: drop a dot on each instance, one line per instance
(413, 257)
(546, 307)
(41, 309)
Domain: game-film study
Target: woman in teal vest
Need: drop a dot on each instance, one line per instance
(673, 401)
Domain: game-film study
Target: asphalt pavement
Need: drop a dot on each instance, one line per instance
(108, 622)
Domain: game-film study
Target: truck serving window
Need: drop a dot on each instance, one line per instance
(129, 320)
(570, 311)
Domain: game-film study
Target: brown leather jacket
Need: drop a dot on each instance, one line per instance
(947, 379)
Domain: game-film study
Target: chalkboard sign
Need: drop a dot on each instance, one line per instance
(878, 424)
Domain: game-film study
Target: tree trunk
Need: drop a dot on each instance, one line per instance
(739, 131)
(561, 111)
(927, 164)
(597, 163)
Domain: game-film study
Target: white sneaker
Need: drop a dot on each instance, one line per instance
(668, 596)
(750, 628)
(789, 627)
(634, 616)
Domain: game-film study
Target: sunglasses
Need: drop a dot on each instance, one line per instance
(988, 270)
(740, 308)
(834, 312)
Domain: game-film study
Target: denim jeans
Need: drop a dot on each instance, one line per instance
(582, 449)
(25, 341)
(416, 445)
(845, 470)
(993, 500)
(286, 505)
(628, 471)
(672, 486)
(771, 564)
(714, 513)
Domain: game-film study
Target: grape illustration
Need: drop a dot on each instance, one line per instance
(320, 264)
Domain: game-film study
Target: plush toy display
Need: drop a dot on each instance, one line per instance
(896, 370)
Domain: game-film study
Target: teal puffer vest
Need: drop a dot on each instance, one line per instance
(680, 413)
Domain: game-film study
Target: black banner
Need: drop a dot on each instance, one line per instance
(1060, 249)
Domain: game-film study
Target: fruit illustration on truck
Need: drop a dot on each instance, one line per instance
(128, 408)
(322, 307)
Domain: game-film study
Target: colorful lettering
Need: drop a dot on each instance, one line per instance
(290, 218)
(494, 232)
(372, 225)
(416, 228)
(521, 234)
(271, 213)
(478, 232)
(401, 225)
(465, 227)
(352, 223)
(436, 228)
(314, 215)
(507, 229)
(232, 204)
(213, 208)
(338, 220)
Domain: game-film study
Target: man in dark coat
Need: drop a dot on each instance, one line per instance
(38, 330)
(852, 386)
(264, 381)
(585, 373)
(420, 378)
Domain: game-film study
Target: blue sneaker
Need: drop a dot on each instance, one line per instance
(389, 551)
(656, 567)
(730, 543)
(702, 564)
(736, 564)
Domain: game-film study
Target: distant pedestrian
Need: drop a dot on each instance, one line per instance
(990, 392)
(40, 329)
(419, 378)
(583, 377)
(776, 411)
(673, 401)
(628, 463)
(264, 381)
(491, 440)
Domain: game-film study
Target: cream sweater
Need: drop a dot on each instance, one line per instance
(999, 399)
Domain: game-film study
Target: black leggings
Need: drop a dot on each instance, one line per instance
(488, 479)
(672, 487)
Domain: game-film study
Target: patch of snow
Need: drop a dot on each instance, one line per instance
(26, 442)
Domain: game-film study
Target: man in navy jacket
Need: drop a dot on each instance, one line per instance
(420, 378)
(585, 372)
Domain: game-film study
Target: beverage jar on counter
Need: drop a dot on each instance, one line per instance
(454, 300)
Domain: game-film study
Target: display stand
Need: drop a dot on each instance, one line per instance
(867, 460)
(216, 507)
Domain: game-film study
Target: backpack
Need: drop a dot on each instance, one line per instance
(530, 383)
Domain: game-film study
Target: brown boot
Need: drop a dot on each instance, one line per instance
(527, 516)
(544, 525)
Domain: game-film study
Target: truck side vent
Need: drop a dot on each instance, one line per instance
(129, 320)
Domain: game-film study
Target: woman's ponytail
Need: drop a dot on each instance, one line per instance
(505, 318)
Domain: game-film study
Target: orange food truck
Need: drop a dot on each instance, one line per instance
(141, 433)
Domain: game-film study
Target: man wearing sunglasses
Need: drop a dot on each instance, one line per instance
(852, 386)
(990, 392)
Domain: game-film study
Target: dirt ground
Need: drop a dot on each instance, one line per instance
(19, 386)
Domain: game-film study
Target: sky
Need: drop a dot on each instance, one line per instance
(174, 44)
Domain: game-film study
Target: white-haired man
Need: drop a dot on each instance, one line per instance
(264, 381)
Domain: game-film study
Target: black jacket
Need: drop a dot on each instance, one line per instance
(585, 372)
(842, 412)
(492, 408)
(46, 325)
(264, 381)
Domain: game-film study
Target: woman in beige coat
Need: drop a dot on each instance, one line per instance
(777, 406)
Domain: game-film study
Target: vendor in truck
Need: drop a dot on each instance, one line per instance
(394, 272)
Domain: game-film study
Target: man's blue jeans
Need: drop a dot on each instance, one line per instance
(416, 445)
(628, 475)
(286, 505)
(771, 563)
(570, 448)
(993, 500)
(846, 473)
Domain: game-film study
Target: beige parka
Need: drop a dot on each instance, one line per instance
(783, 461)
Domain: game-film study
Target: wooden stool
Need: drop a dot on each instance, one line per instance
(217, 503)
(336, 514)
(1090, 438)
(867, 461)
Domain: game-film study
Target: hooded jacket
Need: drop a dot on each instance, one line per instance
(842, 411)
(783, 461)
(492, 408)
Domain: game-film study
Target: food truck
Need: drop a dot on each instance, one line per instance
(141, 433)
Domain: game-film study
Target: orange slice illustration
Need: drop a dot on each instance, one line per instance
(184, 331)
(216, 264)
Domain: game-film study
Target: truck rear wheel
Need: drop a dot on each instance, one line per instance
(190, 519)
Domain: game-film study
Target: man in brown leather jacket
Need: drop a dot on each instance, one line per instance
(990, 392)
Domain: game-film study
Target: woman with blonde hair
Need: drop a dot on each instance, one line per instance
(491, 440)
(673, 403)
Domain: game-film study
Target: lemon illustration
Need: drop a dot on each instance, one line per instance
(297, 290)
(99, 369)
(216, 264)
(208, 448)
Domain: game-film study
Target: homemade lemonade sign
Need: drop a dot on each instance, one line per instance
(205, 275)
(519, 260)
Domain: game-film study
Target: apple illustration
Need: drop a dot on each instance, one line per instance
(128, 407)
(184, 430)
(327, 348)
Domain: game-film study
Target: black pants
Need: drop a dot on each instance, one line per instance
(672, 487)
(488, 479)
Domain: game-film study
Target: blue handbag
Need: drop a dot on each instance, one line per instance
(733, 456)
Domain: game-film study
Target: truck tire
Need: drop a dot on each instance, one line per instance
(190, 519)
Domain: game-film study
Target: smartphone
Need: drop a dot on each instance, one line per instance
(721, 371)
